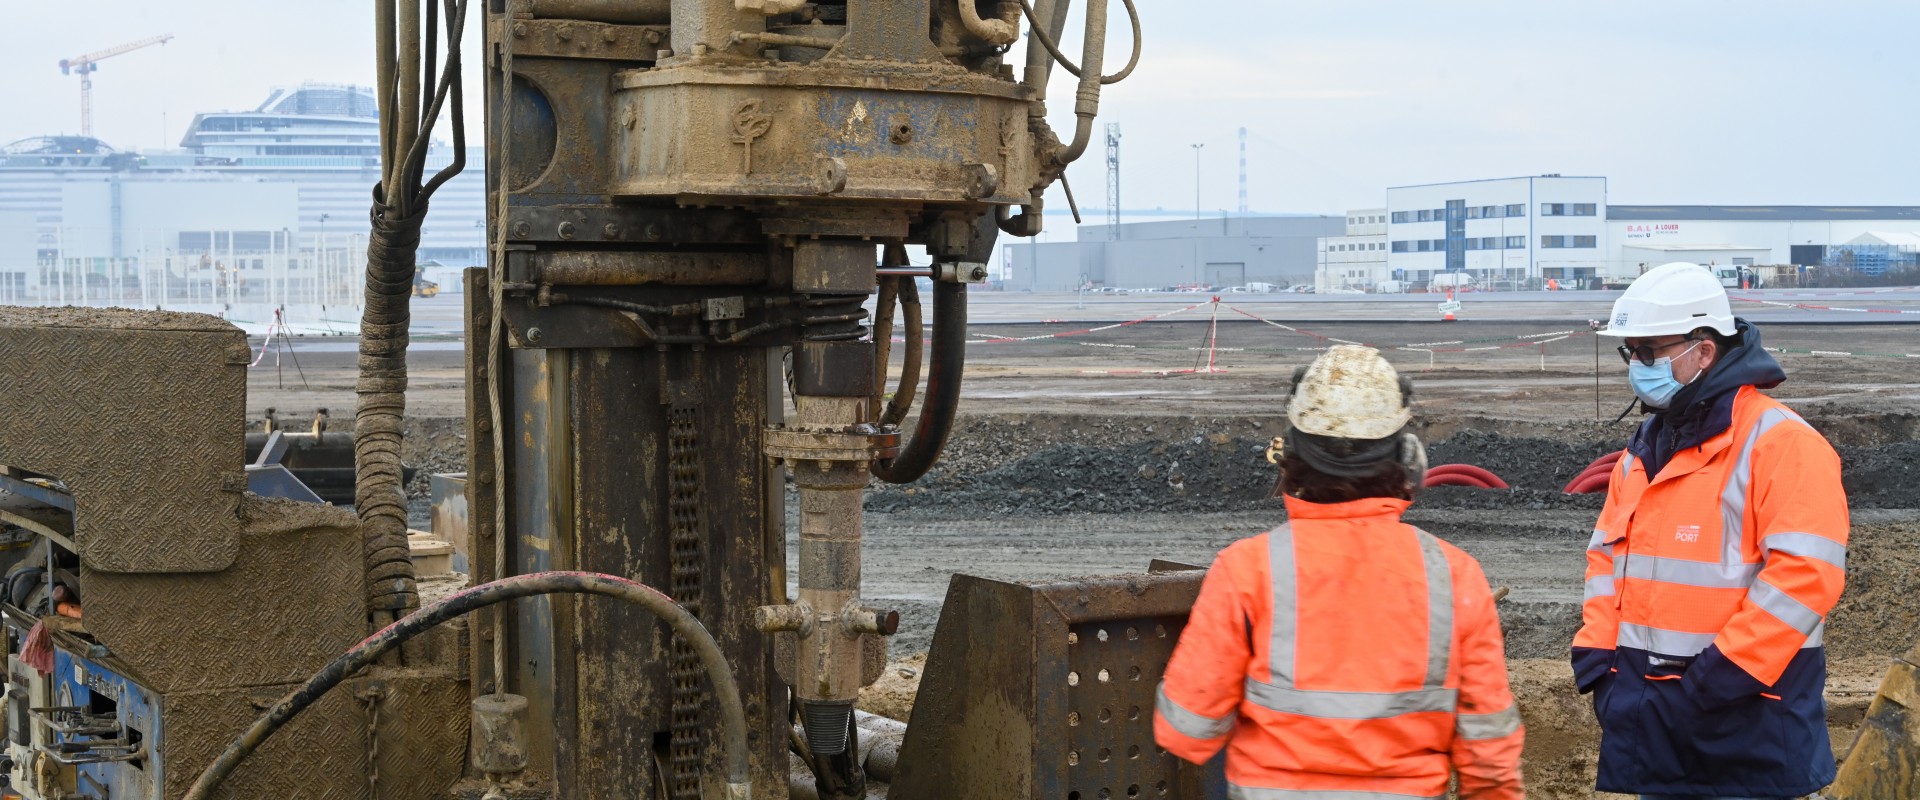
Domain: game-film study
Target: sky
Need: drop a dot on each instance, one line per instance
(1674, 101)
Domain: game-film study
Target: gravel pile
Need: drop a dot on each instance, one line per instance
(1226, 472)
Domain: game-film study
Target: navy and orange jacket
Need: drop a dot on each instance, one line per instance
(1709, 578)
(1344, 653)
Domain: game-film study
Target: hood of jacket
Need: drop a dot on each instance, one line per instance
(1704, 408)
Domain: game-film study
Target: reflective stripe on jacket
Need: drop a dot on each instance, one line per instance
(1707, 590)
(1345, 655)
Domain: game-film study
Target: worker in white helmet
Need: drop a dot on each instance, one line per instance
(1712, 567)
(1345, 654)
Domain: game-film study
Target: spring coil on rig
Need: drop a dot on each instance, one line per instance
(833, 318)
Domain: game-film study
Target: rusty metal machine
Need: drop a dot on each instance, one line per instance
(692, 203)
(670, 356)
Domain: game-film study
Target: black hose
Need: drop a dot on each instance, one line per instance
(726, 691)
(915, 333)
(378, 495)
(1040, 34)
(943, 388)
(397, 215)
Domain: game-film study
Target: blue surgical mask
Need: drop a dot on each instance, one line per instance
(1654, 383)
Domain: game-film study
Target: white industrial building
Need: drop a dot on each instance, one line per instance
(1530, 232)
(1507, 231)
(1647, 236)
(1357, 260)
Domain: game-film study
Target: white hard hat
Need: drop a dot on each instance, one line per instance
(1349, 392)
(1672, 299)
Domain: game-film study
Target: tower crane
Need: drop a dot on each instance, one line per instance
(90, 63)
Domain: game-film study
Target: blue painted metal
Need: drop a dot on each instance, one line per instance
(79, 681)
(37, 493)
(539, 457)
(864, 123)
(273, 480)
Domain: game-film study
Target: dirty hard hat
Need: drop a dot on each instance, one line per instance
(1670, 300)
(1349, 392)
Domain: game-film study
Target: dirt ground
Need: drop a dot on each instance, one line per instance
(1077, 455)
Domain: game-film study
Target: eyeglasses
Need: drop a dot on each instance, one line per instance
(1647, 353)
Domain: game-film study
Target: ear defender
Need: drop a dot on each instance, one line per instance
(1413, 458)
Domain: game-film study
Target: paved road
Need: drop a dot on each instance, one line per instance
(441, 316)
(443, 313)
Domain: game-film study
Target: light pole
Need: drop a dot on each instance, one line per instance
(324, 269)
(1196, 179)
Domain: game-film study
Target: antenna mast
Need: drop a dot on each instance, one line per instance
(1113, 180)
(1243, 172)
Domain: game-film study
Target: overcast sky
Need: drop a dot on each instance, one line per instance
(1674, 101)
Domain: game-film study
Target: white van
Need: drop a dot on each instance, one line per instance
(1450, 280)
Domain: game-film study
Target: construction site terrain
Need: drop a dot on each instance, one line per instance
(1094, 453)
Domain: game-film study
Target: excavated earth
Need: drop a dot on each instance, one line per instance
(1075, 460)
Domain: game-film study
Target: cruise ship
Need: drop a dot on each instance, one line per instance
(267, 205)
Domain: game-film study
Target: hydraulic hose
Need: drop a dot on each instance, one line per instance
(1086, 104)
(915, 334)
(399, 210)
(1053, 49)
(947, 367)
(904, 292)
(726, 691)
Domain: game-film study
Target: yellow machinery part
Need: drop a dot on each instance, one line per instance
(1885, 759)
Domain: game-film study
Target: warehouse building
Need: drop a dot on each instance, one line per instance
(1218, 251)
(1530, 232)
(1356, 260)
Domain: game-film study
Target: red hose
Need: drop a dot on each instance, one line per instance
(1597, 483)
(1488, 479)
(1597, 469)
(1609, 459)
(1600, 466)
(1455, 479)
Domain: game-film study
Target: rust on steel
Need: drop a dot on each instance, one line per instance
(1045, 689)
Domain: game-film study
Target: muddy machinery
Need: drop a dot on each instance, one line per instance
(691, 204)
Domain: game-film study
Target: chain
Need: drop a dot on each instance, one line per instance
(373, 696)
(688, 555)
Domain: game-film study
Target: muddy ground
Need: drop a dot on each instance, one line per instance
(1076, 456)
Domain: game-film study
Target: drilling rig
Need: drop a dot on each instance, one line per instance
(688, 197)
(692, 204)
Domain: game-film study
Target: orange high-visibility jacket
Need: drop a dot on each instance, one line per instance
(1707, 590)
(1344, 654)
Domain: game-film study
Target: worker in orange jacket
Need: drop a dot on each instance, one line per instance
(1345, 654)
(1722, 547)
